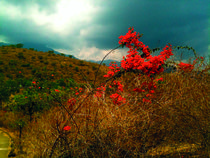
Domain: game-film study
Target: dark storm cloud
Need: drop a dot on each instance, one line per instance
(157, 21)
(179, 22)
(160, 22)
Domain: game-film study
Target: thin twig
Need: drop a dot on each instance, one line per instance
(102, 62)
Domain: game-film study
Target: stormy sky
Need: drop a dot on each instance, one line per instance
(89, 29)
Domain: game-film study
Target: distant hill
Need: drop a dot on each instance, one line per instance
(106, 62)
(27, 64)
(36, 46)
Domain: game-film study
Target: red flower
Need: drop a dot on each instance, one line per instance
(19, 72)
(186, 67)
(117, 99)
(66, 128)
(72, 101)
(137, 90)
(57, 90)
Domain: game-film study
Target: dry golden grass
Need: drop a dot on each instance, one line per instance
(177, 122)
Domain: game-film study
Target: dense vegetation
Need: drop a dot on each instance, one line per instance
(19, 67)
(48, 101)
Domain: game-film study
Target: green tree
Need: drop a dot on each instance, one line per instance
(76, 68)
(4, 92)
(20, 55)
(29, 102)
(19, 45)
(7, 88)
(62, 54)
(51, 52)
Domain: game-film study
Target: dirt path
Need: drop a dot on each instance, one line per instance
(4, 144)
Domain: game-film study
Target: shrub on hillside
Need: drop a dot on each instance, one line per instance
(20, 55)
(13, 62)
(19, 45)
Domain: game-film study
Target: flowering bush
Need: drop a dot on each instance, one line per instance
(144, 64)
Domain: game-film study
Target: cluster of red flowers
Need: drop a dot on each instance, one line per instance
(113, 69)
(186, 67)
(70, 103)
(145, 62)
(77, 90)
(119, 86)
(135, 61)
(117, 99)
(100, 91)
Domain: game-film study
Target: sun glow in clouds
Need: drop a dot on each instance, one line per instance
(69, 13)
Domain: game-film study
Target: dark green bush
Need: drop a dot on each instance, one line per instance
(4, 51)
(30, 102)
(20, 55)
(13, 86)
(25, 65)
(72, 83)
(51, 52)
(40, 57)
(94, 67)
(39, 75)
(76, 68)
(61, 82)
(13, 62)
(81, 63)
(53, 63)
(9, 76)
(12, 46)
(19, 45)
(46, 62)
(33, 71)
(5, 92)
(5, 68)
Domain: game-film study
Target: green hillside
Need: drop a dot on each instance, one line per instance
(16, 62)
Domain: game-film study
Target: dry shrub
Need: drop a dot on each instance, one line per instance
(178, 113)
